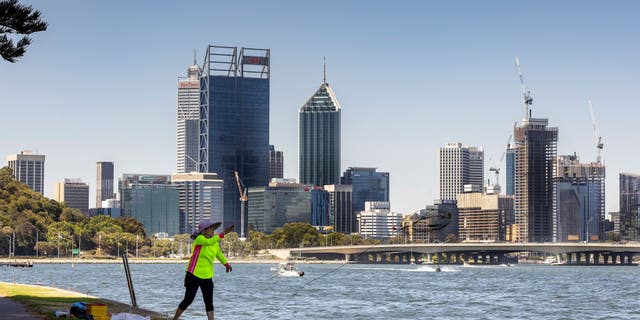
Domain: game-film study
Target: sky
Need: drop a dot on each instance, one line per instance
(100, 83)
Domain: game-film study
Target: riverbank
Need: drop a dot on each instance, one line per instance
(274, 260)
(45, 301)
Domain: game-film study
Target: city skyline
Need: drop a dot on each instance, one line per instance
(461, 69)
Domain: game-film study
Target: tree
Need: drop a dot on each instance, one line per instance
(20, 20)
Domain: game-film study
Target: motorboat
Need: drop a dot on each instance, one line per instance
(551, 260)
(287, 269)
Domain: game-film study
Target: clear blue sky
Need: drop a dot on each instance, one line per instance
(100, 83)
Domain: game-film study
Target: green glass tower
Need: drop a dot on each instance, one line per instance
(319, 140)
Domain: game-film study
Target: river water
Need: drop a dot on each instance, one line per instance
(365, 291)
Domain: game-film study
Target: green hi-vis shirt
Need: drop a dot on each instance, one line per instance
(204, 251)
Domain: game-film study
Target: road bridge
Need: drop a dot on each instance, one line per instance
(597, 253)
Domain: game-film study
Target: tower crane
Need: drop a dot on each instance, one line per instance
(497, 168)
(528, 100)
(596, 134)
(243, 202)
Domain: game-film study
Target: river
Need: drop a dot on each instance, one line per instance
(355, 291)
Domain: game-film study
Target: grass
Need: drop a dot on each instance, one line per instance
(46, 300)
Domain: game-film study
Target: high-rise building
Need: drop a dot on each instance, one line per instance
(152, 200)
(319, 139)
(368, 185)
(28, 168)
(435, 223)
(483, 217)
(188, 122)
(377, 221)
(341, 215)
(578, 200)
(629, 207)
(276, 163)
(458, 167)
(73, 193)
(511, 171)
(104, 182)
(200, 198)
(234, 123)
(535, 145)
(320, 207)
(282, 201)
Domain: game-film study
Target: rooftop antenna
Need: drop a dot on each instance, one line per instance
(324, 70)
(528, 100)
(195, 62)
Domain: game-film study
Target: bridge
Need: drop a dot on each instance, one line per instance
(597, 253)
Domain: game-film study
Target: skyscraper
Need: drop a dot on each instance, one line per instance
(319, 138)
(341, 215)
(511, 171)
(234, 121)
(459, 166)
(282, 201)
(104, 182)
(188, 125)
(578, 200)
(535, 156)
(28, 168)
(74, 193)
(276, 163)
(629, 207)
(368, 185)
(201, 198)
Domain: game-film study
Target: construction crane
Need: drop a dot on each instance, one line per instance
(596, 134)
(243, 202)
(528, 100)
(497, 168)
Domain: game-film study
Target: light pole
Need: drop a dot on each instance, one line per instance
(9, 245)
(137, 237)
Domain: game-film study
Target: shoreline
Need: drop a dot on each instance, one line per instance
(4, 261)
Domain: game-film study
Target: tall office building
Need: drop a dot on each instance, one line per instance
(152, 200)
(341, 215)
(629, 207)
(535, 145)
(458, 167)
(276, 163)
(377, 221)
(483, 217)
(368, 185)
(435, 223)
(578, 200)
(188, 122)
(282, 201)
(74, 193)
(28, 168)
(234, 123)
(320, 206)
(319, 138)
(511, 171)
(104, 182)
(200, 198)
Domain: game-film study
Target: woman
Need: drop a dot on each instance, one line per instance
(199, 274)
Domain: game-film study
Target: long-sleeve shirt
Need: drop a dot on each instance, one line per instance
(204, 251)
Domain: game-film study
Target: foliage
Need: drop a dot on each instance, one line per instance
(19, 20)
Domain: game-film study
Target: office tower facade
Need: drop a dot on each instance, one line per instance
(282, 201)
(629, 207)
(276, 163)
(578, 200)
(510, 175)
(483, 217)
(377, 221)
(74, 193)
(234, 121)
(200, 198)
(459, 166)
(152, 200)
(368, 185)
(28, 168)
(536, 146)
(188, 120)
(435, 223)
(104, 182)
(319, 207)
(341, 215)
(319, 138)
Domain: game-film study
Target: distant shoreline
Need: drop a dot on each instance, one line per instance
(153, 261)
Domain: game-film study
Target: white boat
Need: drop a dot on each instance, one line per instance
(286, 269)
(550, 260)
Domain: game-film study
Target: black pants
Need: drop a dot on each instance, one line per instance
(192, 283)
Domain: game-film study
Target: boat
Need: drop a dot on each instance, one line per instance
(550, 260)
(286, 269)
(437, 269)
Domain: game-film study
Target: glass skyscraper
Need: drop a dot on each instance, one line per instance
(234, 121)
(104, 182)
(281, 202)
(319, 139)
(629, 206)
(368, 185)
(188, 121)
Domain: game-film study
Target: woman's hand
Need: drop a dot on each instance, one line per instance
(228, 266)
(227, 230)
